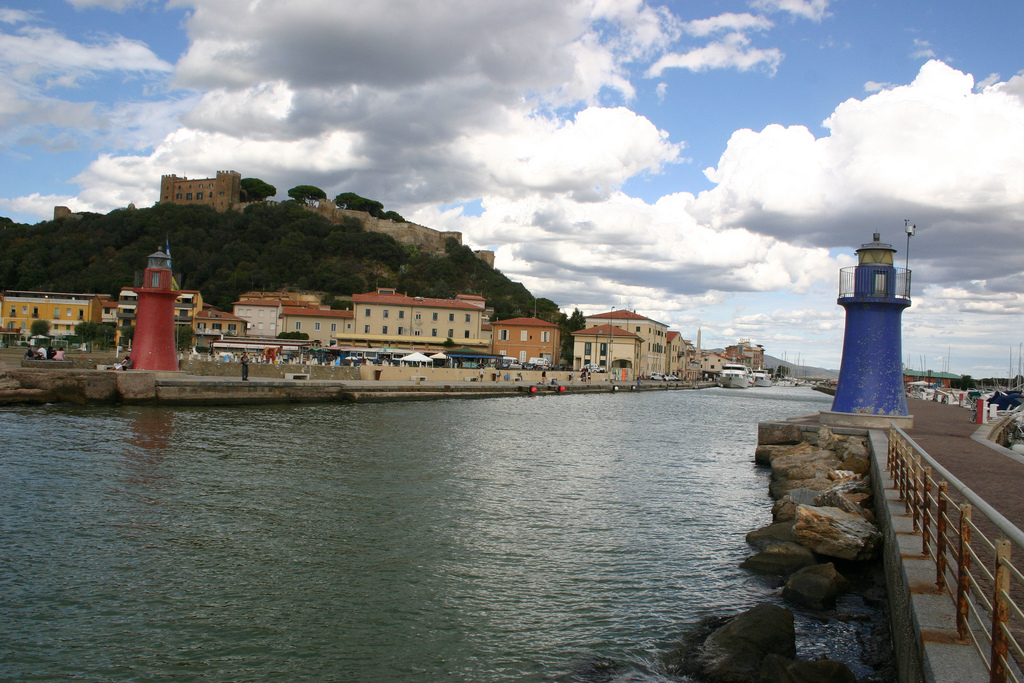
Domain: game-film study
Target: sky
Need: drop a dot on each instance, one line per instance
(711, 165)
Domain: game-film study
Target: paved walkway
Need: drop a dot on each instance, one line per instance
(945, 432)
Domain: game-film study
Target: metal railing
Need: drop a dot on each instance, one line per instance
(885, 282)
(971, 545)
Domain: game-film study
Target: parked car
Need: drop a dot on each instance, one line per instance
(594, 367)
(657, 376)
(671, 378)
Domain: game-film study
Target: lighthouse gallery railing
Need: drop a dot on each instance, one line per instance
(970, 543)
(874, 281)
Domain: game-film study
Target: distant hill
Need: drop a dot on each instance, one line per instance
(267, 246)
(801, 371)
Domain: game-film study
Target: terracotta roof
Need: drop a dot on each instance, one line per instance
(619, 315)
(524, 322)
(208, 314)
(671, 335)
(405, 300)
(605, 331)
(317, 312)
(258, 302)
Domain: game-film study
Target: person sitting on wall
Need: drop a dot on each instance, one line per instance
(58, 354)
(30, 353)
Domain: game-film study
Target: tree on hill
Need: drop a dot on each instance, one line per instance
(267, 246)
(394, 216)
(255, 190)
(569, 324)
(353, 202)
(308, 194)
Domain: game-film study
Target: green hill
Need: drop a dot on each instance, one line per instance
(265, 247)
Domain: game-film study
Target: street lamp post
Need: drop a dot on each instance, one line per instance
(911, 230)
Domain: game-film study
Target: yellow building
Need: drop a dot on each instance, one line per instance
(320, 323)
(62, 310)
(262, 310)
(220, 193)
(387, 318)
(653, 336)
(609, 346)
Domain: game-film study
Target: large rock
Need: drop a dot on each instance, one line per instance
(734, 653)
(805, 465)
(826, 439)
(837, 499)
(832, 532)
(778, 432)
(815, 587)
(773, 533)
(852, 449)
(784, 487)
(781, 558)
(778, 669)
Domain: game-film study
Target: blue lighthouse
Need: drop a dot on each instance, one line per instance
(874, 294)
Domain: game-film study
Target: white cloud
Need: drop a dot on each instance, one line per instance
(47, 52)
(815, 10)
(733, 51)
(873, 86)
(728, 22)
(934, 151)
(922, 50)
(36, 204)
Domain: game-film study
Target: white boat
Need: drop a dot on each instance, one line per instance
(761, 378)
(734, 376)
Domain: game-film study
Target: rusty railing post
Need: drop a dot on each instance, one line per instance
(1000, 613)
(963, 584)
(926, 505)
(940, 536)
(915, 492)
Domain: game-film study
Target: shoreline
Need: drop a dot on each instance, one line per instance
(34, 385)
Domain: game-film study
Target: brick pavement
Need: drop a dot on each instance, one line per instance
(944, 432)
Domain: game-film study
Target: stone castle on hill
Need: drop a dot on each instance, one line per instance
(223, 193)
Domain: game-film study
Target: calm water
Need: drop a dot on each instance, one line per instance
(453, 540)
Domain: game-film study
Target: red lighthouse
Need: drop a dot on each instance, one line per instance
(153, 343)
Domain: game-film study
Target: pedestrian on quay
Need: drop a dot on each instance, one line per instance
(245, 367)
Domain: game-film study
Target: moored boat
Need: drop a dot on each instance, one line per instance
(761, 378)
(734, 376)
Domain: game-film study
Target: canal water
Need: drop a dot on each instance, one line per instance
(450, 540)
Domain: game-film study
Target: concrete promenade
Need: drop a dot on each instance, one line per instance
(995, 474)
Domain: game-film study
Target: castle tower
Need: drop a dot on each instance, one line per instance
(153, 346)
(874, 293)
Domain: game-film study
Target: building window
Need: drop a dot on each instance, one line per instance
(216, 326)
(261, 312)
(261, 326)
(587, 348)
(417, 316)
(384, 329)
(434, 319)
(334, 327)
(366, 329)
(156, 280)
(14, 310)
(416, 333)
(467, 334)
(468, 318)
(231, 327)
(433, 332)
(604, 349)
(177, 196)
(188, 195)
(451, 317)
(316, 326)
(451, 333)
(503, 335)
(401, 314)
(56, 314)
(522, 335)
(298, 325)
(199, 195)
(385, 313)
(401, 331)
(545, 336)
(367, 312)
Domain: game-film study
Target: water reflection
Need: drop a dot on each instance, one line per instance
(469, 540)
